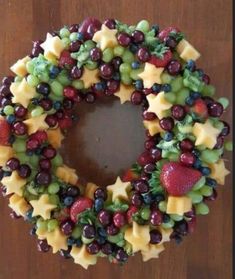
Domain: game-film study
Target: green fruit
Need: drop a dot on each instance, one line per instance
(177, 84)
(32, 80)
(37, 111)
(77, 232)
(32, 190)
(201, 182)
(63, 79)
(86, 240)
(176, 217)
(209, 156)
(33, 160)
(181, 96)
(128, 57)
(134, 73)
(52, 225)
(162, 206)
(168, 225)
(206, 191)
(64, 32)
(143, 26)
(57, 161)
(118, 51)
(44, 77)
(145, 213)
(115, 238)
(195, 197)
(170, 97)
(228, 145)
(57, 88)
(41, 224)
(208, 90)
(73, 36)
(166, 78)
(78, 84)
(186, 129)
(202, 209)
(91, 65)
(53, 188)
(8, 110)
(107, 55)
(126, 79)
(30, 67)
(19, 145)
(89, 44)
(54, 199)
(125, 68)
(66, 42)
(224, 102)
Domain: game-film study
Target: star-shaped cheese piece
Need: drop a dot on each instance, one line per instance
(151, 75)
(22, 92)
(82, 257)
(42, 207)
(36, 123)
(52, 46)
(152, 252)
(19, 68)
(57, 240)
(153, 127)
(19, 205)
(187, 51)
(105, 37)
(90, 190)
(6, 152)
(158, 104)
(138, 236)
(219, 171)
(14, 184)
(55, 137)
(90, 77)
(124, 93)
(178, 205)
(67, 174)
(166, 233)
(119, 189)
(205, 134)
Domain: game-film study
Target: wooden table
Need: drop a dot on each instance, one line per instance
(97, 153)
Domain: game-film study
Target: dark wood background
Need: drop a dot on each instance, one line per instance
(109, 136)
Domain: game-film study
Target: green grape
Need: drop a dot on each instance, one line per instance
(201, 182)
(32, 190)
(201, 147)
(32, 80)
(115, 238)
(57, 161)
(8, 110)
(41, 189)
(143, 26)
(53, 188)
(118, 51)
(30, 67)
(218, 125)
(181, 96)
(228, 145)
(162, 206)
(78, 84)
(41, 224)
(73, 36)
(54, 199)
(44, 77)
(195, 197)
(53, 97)
(86, 240)
(224, 102)
(52, 225)
(77, 232)
(63, 79)
(34, 160)
(66, 42)
(202, 209)
(37, 111)
(208, 90)
(186, 129)
(64, 32)
(209, 156)
(125, 78)
(173, 157)
(145, 213)
(19, 145)
(107, 55)
(206, 191)
(121, 243)
(170, 97)
(22, 157)
(177, 84)
(128, 57)
(125, 68)
(166, 78)
(18, 79)
(176, 217)
(91, 65)
(134, 73)
(89, 44)
(57, 88)
(168, 225)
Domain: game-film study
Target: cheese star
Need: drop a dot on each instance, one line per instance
(19, 68)
(52, 45)
(82, 257)
(36, 123)
(158, 104)
(138, 236)
(66, 174)
(90, 77)
(90, 190)
(219, 171)
(14, 184)
(42, 207)
(6, 152)
(55, 137)
(178, 205)
(57, 240)
(153, 127)
(22, 92)
(105, 37)
(152, 252)
(166, 233)
(124, 93)
(19, 205)
(151, 75)
(119, 189)
(205, 134)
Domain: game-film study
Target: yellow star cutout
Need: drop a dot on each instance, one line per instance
(57, 240)
(19, 205)
(152, 252)
(14, 184)
(178, 205)
(151, 75)
(219, 171)
(205, 134)
(105, 37)
(82, 257)
(6, 152)
(67, 174)
(22, 92)
(119, 189)
(90, 190)
(36, 123)
(124, 93)
(52, 46)
(153, 127)
(19, 68)
(166, 233)
(42, 207)
(55, 137)
(158, 104)
(89, 77)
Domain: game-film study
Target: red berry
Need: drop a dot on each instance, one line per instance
(119, 219)
(166, 31)
(66, 60)
(186, 145)
(200, 108)
(215, 109)
(19, 128)
(187, 159)
(79, 206)
(136, 98)
(65, 122)
(156, 217)
(145, 158)
(161, 61)
(167, 123)
(129, 175)
(178, 112)
(32, 144)
(40, 136)
(149, 115)
(143, 54)
(124, 39)
(174, 67)
(5, 132)
(70, 92)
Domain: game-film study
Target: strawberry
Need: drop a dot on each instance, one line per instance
(129, 175)
(166, 31)
(4, 132)
(178, 179)
(66, 60)
(200, 108)
(65, 122)
(131, 211)
(163, 61)
(80, 205)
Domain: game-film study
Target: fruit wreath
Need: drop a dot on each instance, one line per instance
(173, 180)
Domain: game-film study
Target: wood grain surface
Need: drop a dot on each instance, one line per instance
(109, 137)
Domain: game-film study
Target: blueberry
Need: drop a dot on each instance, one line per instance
(166, 87)
(28, 216)
(205, 170)
(11, 118)
(156, 29)
(99, 203)
(133, 48)
(211, 182)
(99, 86)
(189, 101)
(159, 198)
(195, 95)
(78, 242)
(147, 198)
(139, 84)
(166, 218)
(102, 232)
(197, 164)
(33, 231)
(135, 65)
(116, 76)
(191, 65)
(71, 241)
(200, 72)
(35, 101)
(53, 72)
(57, 105)
(68, 201)
(101, 240)
(196, 152)
(80, 36)
(168, 136)
(65, 253)
(156, 87)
